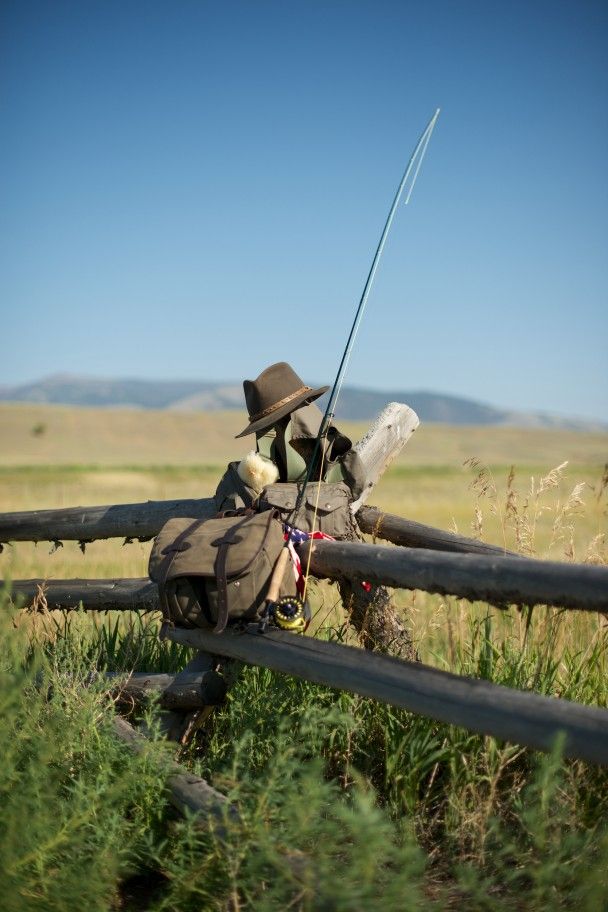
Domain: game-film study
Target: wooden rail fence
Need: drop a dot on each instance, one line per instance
(432, 560)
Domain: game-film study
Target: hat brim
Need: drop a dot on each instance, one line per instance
(268, 420)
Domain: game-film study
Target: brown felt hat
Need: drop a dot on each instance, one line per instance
(275, 393)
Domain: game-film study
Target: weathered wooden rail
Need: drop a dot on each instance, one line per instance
(481, 706)
(92, 594)
(136, 520)
(411, 534)
(501, 581)
(178, 692)
(144, 520)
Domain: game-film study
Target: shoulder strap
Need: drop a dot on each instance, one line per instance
(229, 538)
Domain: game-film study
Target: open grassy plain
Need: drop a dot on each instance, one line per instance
(65, 435)
(344, 804)
(55, 456)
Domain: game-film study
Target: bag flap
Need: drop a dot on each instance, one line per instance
(171, 532)
(282, 496)
(331, 497)
(190, 548)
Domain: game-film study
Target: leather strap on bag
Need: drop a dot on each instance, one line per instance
(230, 538)
(219, 567)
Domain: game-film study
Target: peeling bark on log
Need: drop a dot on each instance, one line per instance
(375, 620)
(389, 527)
(501, 581)
(478, 705)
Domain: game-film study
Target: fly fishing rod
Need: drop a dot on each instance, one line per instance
(408, 180)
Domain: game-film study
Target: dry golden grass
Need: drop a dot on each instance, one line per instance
(96, 456)
(64, 435)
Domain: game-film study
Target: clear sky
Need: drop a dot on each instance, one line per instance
(195, 190)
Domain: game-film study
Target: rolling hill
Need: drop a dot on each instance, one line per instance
(355, 404)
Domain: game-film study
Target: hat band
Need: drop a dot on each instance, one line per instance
(273, 408)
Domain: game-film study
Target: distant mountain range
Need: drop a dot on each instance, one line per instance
(193, 395)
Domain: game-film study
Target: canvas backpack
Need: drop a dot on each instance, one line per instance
(213, 571)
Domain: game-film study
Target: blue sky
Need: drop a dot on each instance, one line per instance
(196, 189)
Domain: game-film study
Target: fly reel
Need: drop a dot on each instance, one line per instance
(290, 612)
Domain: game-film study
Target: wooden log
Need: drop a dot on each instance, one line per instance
(179, 692)
(389, 527)
(85, 524)
(93, 594)
(178, 724)
(187, 792)
(372, 615)
(478, 705)
(501, 581)
(144, 520)
(382, 443)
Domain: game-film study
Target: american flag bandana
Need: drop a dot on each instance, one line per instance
(294, 537)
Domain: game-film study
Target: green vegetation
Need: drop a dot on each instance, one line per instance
(343, 804)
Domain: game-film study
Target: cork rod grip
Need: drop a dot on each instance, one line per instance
(277, 576)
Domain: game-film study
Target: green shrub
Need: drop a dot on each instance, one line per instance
(343, 803)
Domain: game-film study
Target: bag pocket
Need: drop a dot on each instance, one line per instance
(331, 502)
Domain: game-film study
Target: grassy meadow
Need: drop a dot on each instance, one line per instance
(344, 804)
